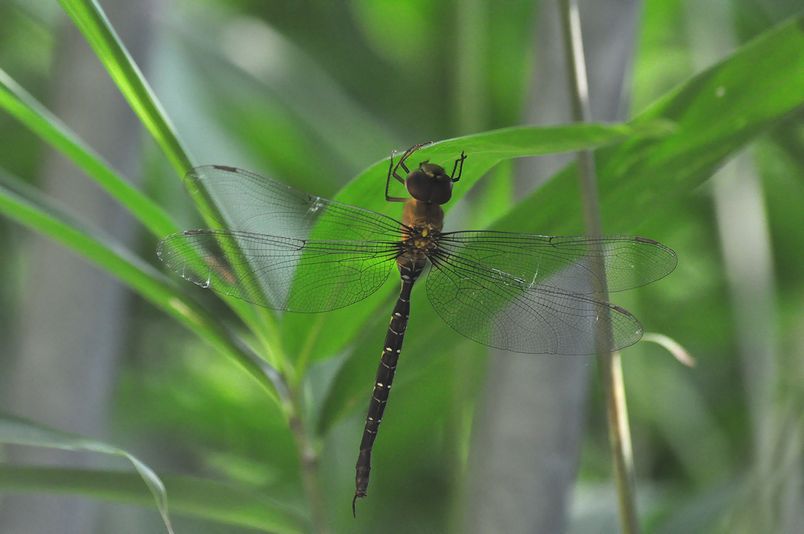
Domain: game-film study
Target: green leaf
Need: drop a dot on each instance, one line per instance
(193, 497)
(330, 332)
(96, 28)
(16, 431)
(33, 211)
(717, 112)
(486, 149)
(99, 33)
(22, 106)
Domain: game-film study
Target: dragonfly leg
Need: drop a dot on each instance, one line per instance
(402, 164)
(409, 152)
(392, 172)
(455, 167)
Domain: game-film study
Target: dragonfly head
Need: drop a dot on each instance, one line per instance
(429, 183)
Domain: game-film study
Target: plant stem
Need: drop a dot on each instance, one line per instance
(289, 396)
(308, 460)
(288, 391)
(610, 363)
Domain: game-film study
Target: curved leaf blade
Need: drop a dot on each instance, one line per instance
(24, 107)
(15, 431)
(485, 150)
(222, 502)
(636, 176)
(717, 112)
(35, 213)
(99, 33)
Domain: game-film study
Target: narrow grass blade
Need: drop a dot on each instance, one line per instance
(99, 33)
(223, 502)
(22, 106)
(20, 432)
(92, 22)
(34, 212)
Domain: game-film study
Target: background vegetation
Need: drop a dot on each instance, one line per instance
(314, 94)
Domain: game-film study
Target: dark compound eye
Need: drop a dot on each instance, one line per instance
(432, 168)
(429, 183)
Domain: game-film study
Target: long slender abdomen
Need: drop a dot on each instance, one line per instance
(382, 384)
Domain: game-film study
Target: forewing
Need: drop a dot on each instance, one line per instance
(279, 272)
(496, 309)
(565, 262)
(252, 203)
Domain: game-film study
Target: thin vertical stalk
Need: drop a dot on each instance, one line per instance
(308, 461)
(610, 363)
(288, 392)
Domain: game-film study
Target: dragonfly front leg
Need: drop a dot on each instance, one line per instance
(409, 152)
(392, 172)
(455, 167)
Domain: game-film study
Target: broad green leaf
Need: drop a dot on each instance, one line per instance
(24, 107)
(37, 213)
(14, 431)
(489, 147)
(317, 337)
(223, 502)
(718, 111)
(486, 149)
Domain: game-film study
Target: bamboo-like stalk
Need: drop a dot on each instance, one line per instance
(610, 363)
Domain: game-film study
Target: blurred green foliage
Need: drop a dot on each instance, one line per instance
(313, 93)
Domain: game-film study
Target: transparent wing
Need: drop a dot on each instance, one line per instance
(499, 310)
(280, 272)
(565, 262)
(252, 203)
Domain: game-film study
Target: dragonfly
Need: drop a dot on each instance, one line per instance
(289, 250)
